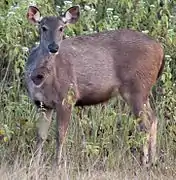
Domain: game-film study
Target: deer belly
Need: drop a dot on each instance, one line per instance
(95, 97)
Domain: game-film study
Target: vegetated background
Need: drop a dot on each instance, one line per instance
(101, 136)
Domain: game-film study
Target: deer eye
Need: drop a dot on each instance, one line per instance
(61, 28)
(44, 28)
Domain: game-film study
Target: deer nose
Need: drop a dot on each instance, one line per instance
(53, 47)
(37, 78)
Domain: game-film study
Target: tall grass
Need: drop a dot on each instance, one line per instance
(97, 145)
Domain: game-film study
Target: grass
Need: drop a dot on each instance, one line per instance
(67, 171)
(97, 146)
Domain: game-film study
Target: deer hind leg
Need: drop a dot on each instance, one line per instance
(147, 124)
(152, 133)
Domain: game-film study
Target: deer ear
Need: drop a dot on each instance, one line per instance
(71, 15)
(33, 15)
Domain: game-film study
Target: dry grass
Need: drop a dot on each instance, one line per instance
(21, 170)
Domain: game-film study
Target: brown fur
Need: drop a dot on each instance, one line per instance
(98, 66)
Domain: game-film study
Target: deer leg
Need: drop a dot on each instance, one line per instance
(142, 111)
(139, 112)
(62, 121)
(152, 133)
(42, 129)
(148, 125)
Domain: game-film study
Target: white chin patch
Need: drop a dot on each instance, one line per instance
(57, 53)
(54, 53)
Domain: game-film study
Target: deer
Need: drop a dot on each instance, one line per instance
(96, 67)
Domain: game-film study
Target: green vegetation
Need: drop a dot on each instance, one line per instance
(98, 138)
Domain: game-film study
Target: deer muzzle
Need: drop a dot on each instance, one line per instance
(53, 47)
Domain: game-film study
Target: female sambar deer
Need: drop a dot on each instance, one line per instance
(97, 66)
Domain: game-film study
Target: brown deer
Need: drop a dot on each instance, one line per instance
(97, 67)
